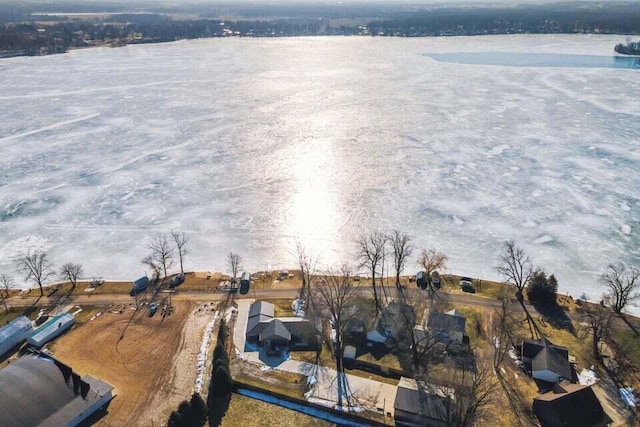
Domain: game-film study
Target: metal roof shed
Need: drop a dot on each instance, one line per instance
(14, 333)
(51, 330)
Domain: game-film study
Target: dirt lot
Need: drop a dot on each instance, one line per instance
(134, 354)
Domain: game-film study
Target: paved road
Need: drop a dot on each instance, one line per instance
(204, 296)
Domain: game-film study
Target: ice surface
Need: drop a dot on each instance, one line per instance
(251, 144)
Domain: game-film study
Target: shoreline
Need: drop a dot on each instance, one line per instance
(213, 278)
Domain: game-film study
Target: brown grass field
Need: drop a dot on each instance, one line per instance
(265, 414)
(134, 353)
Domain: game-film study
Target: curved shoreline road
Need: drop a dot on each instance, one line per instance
(205, 296)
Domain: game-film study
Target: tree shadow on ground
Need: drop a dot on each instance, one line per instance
(555, 315)
(512, 398)
(59, 298)
(29, 310)
(629, 324)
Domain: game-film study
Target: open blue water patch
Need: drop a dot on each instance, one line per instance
(514, 59)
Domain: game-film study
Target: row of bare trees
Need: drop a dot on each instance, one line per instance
(372, 252)
(620, 283)
(37, 268)
(334, 297)
(162, 256)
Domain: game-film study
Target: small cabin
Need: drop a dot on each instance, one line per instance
(50, 330)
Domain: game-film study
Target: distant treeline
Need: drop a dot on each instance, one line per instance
(27, 33)
(531, 20)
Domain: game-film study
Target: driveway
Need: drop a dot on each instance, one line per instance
(240, 330)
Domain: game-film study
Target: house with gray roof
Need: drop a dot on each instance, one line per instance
(546, 361)
(390, 323)
(260, 314)
(275, 336)
(278, 333)
(448, 327)
(418, 404)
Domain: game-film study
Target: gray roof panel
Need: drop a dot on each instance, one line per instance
(261, 308)
(275, 330)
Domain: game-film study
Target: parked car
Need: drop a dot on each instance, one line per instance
(139, 285)
(177, 280)
(435, 279)
(153, 307)
(467, 286)
(421, 279)
(245, 282)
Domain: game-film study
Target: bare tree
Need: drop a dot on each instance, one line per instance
(6, 283)
(415, 341)
(334, 297)
(307, 262)
(71, 272)
(371, 256)
(150, 262)
(35, 267)
(181, 240)
(503, 326)
(431, 260)
(162, 253)
(234, 262)
(515, 266)
(598, 316)
(622, 284)
(402, 250)
(474, 385)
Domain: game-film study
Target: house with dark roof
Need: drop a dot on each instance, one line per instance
(448, 327)
(278, 333)
(570, 405)
(422, 405)
(546, 361)
(356, 331)
(38, 390)
(275, 336)
(390, 322)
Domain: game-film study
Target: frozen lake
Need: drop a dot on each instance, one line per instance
(251, 144)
